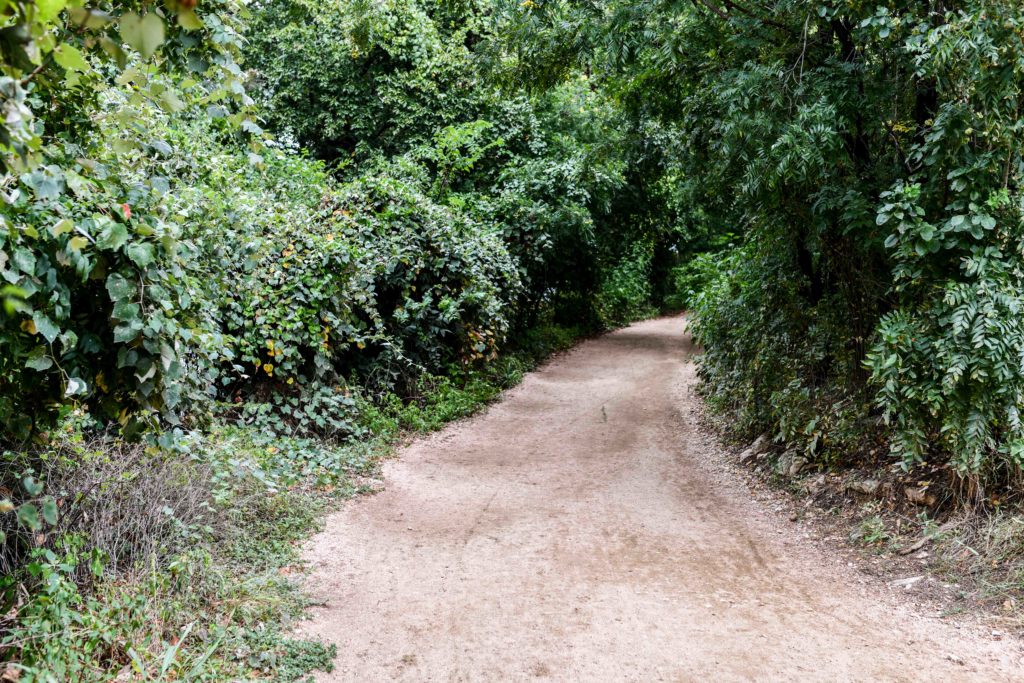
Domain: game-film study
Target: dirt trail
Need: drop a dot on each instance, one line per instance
(585, 529)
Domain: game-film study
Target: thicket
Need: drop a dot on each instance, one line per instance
(243, 245)
(864, 161)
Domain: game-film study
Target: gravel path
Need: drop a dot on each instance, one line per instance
(585, 528)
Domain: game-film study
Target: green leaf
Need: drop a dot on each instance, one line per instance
(127, 333)
(76, 387)
(50, 510)
(189, 20)
(47, 10)
(145, 34)
(119, 287)
(61, 227)
(141, 253)
(32, 486)
(126, 311)
(89, 18)
(28, 516)
(170, 102)
(113, 236)
(39, 360)
(25, 260)
(70, 58)
(45, 326)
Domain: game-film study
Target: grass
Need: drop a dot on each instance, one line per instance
(218, 594)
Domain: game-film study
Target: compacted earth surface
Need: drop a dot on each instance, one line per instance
(587, 528)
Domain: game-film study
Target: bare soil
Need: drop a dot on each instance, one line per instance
(588, 528)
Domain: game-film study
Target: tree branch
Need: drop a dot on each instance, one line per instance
(771, 22)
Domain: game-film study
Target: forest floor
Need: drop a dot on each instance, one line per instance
(589, 527)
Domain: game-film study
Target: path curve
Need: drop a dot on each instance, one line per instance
(584, 529)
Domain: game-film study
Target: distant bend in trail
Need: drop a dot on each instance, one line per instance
(584, 529)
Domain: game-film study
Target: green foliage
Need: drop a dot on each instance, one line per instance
(948, 360)
(369, 281)
(868, 159)
(357, 78)
(767, 372)
(169, 578)
(872, 531)
(97, 310)
(625, 291)
(365, 81)
(58, 55)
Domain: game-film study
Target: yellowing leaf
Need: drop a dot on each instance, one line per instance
(189, 20)
(61, 227)
(28, 326)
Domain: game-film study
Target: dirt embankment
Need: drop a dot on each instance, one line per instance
(584, 529)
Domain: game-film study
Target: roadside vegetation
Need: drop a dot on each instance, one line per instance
(246, 246)
(847, 179)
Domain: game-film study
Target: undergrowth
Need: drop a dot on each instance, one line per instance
(182, 564)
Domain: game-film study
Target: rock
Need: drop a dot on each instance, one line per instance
(906, 583)
(759, 447)
(919, 496)
(790, 463)
(869, 487)
(916, 546)
(796, 465)
(812, 486)
(784, 462)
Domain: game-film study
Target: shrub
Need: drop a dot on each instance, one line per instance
(688, 280)
(338, 285)
(625, 291)
(765, 373)
(353, 79)
(97, 308)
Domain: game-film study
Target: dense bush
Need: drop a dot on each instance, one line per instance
(354, 78)
(97, 305)
(337, 285)
(625, 291)
(868, 159)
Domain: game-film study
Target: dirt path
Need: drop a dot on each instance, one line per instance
(584, 529)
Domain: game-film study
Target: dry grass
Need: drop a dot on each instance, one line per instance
(129, 503)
